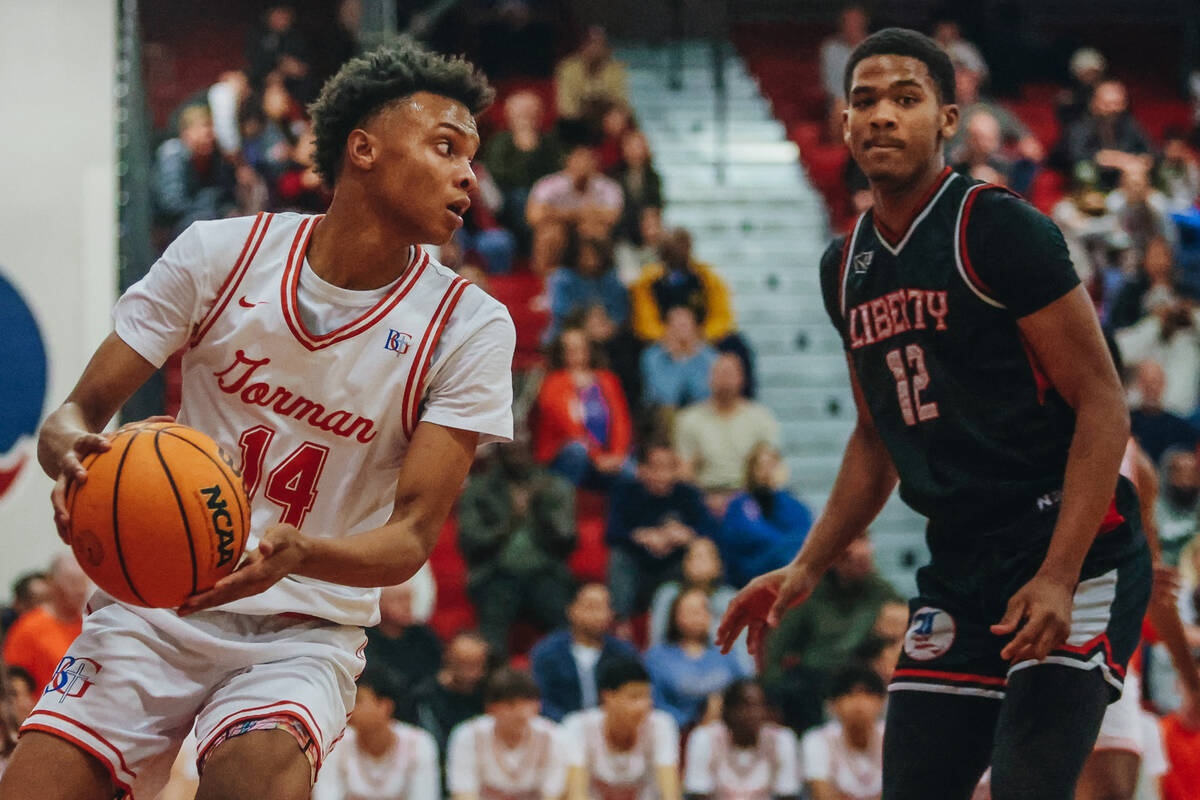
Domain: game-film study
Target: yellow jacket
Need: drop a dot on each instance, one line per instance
(647, 316)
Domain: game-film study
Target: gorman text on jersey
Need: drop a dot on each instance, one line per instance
(896, 312)
(282, 401)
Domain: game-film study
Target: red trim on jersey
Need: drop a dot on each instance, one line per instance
(87, 730)
(845, 260)
(893, 238)
(1040, 379)
(980, 284)
(234, 278)
(1112, 517)
(291, 304)
(956, 677)
(283, 289)
(1089, 646)
(429, 339)
(87, 748)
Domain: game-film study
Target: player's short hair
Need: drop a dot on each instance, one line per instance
(375, 80)
(616, 672)
(380, 680)
(906, 42)
(856, 678)
(507, 683)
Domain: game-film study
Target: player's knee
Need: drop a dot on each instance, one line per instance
(260, 764)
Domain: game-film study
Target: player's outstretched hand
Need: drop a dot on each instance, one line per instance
(280, 553)
(1044, 604)
(761, 604)
(71, 469)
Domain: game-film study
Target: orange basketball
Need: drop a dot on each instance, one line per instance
(162, 515)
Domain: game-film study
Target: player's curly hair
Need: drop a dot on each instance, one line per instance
(906, 42)
(369, 83)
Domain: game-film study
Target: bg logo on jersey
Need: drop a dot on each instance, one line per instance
(23, 392)
(73, 677)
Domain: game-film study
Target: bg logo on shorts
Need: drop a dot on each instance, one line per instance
(930, 634)
(72, 677)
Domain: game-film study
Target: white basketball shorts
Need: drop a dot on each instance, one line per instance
(136, 680)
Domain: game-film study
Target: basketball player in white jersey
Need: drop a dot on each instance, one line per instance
(380, 758)
(742, 756)
(509, 752)
(623, 750)
(355, 376)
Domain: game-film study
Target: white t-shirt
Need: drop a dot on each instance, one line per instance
(586, 658)
(318, 388)
(615, 775)
(408, 771)
(858, 774)
(478, 763)
(713, 766)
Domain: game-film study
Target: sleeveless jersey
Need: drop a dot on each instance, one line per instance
(613, 775)
(478, 763)
(929, 320)
(717, 768)
(321, 421)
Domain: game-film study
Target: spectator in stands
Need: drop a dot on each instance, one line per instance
(843, 759)
(578, 201)
(510, 751)
(589, 81)
(675, 371)
(565, 663)
(968, 85)
(948, 35)
(680, 280)
(632, 258)
(651, 520)
(689, 672)
(516, 527)
(615, 122)
(881, 653)
(742, 755)
(1154, 280)
(455, 693)
(1156, 428)
(701, 569)
(1094, 238)
(300, 187)
(582, 426)
(406, 649)
(29, 591)
(588, 278)
(640, 183)
(1178, 502)
(625, 748)
(37, 641)
(482, 232)
(714, 437)
(224, 100)
(1140, 209)
(765, 525)
(518, 156)
(981, 156)
(278, 46)
(192, 179)
(1169, 335)
(20, 693)
(853, 27)
(1177, 172)
(621, 349)
(816, 638)
(1106, 140)
(1087, 69)
(380, 758)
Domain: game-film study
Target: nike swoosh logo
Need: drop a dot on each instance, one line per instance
(244, 303)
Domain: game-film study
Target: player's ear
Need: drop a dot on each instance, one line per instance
(948, 120)
(361, 149)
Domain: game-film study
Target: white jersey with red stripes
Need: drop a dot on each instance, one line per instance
(620, 774)
(318, 388)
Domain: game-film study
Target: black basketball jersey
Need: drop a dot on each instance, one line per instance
(929, 319)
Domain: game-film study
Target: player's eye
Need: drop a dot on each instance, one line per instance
(862, 102)
(445, 147)
(908, 100)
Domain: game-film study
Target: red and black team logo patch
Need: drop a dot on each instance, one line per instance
(930, 634)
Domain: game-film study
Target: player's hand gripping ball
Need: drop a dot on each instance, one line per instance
(161, 516)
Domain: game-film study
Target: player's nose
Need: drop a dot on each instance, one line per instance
(466, 180)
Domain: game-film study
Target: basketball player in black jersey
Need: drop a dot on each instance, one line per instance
(983, 387)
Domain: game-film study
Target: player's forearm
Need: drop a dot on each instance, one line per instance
(1164, 615)
(864, 483)
(382, 556)
(1101, 431)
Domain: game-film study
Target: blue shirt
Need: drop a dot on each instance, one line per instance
(681, 684)
(676, 383)
(752, 542)
(569, 291)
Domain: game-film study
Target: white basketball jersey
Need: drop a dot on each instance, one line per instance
(616, 775)
(319, 422)
(478, 763)
(715, 767)
(408, 771)
(857, 774)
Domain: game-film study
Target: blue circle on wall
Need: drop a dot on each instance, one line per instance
(23, 387)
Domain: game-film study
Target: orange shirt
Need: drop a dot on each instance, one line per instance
(37, 641)
(1182, 747)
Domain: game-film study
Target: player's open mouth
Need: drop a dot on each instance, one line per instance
(458, 208)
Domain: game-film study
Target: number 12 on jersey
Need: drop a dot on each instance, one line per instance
(292, 483)
(908, 391)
